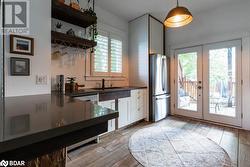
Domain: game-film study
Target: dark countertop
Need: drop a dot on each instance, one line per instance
(29, 119)
(86, 92)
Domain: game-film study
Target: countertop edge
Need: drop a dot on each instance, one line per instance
(95, 92)
(49, 134)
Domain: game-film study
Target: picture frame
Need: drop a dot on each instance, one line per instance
(19, 66)
(21, 45)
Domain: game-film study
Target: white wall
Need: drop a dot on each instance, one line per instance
(43, 64)
(40, 26)
(223, 23)
(76, 63)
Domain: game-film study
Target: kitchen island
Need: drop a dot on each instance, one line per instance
(38, 125)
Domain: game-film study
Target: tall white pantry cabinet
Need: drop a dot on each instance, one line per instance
(146, 36)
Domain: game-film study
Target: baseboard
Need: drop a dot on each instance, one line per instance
(206, 121)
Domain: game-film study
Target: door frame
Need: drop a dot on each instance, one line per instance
(215, 118)
(236, 121)
(189, 113)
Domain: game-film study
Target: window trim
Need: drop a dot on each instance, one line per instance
(109, 73)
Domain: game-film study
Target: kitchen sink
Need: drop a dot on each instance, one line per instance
(108, 88)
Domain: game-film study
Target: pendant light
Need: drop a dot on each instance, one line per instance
(178, 17)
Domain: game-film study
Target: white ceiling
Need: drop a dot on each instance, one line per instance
(130, 9)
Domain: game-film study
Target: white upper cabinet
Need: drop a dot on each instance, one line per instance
(156, 36)
(138, 51)
(146, 36)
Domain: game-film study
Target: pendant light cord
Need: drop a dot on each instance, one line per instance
(177, 2)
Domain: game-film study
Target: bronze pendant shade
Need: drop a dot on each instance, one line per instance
(178, 17)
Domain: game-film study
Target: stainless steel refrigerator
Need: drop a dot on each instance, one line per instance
(159, 89)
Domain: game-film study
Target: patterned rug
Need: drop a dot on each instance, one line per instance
(173, 147)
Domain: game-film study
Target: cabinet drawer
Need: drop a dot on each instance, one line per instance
(138, 105)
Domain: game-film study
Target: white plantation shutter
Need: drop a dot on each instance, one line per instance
(116, 56)
(107, 60)
(101, 54)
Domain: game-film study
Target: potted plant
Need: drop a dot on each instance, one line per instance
(58, 27)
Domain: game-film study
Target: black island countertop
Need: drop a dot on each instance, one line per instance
(31, 120)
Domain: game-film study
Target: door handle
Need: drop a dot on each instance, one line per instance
(199, 87)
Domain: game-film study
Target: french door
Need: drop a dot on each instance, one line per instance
(208, 82)
(188, 82)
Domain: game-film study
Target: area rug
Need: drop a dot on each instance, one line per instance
(174, 147)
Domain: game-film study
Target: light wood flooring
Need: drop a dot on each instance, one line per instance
(112, 151)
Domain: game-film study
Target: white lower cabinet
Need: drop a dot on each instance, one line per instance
(138, 105)
(131, 109)
(124, 112)
(111, 105)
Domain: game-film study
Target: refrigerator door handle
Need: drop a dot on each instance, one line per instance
(164, 71)
(162, 97)
(162, 74)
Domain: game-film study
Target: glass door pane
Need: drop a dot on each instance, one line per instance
(188, 64)
(187, 81)
(222, 82)
(222, 79)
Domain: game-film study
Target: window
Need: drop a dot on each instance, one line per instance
(101, 54)
(116, 56)
(108, 56)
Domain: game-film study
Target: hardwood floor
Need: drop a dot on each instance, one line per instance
(112, 151)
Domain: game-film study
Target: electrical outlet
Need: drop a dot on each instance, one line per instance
(41, 79)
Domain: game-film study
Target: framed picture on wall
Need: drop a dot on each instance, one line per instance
(19, 66)
(21, 45)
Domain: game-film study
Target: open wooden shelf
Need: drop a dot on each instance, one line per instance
(65, 13)
(71, 41)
